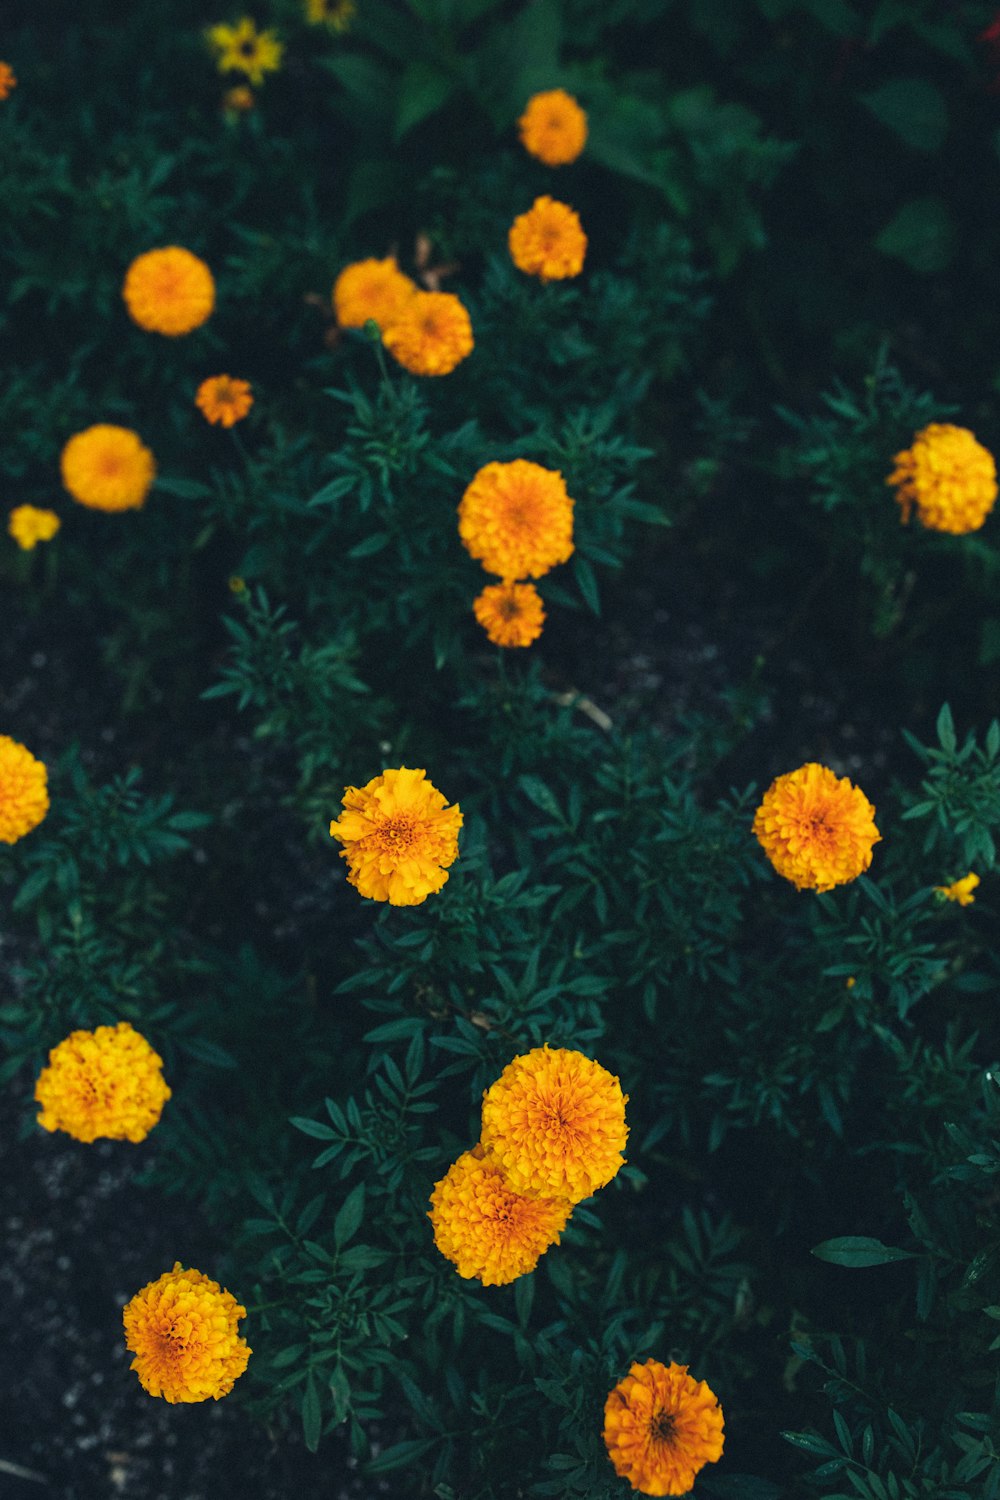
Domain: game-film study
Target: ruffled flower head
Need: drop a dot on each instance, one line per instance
(511, 613)
(431, 335)
(553, 127)
(961, 890)
(949, 477)
(108, 468)
(183, 1330)
(399, 837)
(517, 519)
(555, 1122)
(660, 1427)
(29, 525)
(244, 49)
(169, 291)
(375, 289)
(548, 241)
(103, 1084)
(487, 1229)
(223, 400)
(817, 830)
(24, 792)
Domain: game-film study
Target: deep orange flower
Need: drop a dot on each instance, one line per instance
(548, 241)
(517, 519)
(223, 400)
(949, 477)
(487, 1229)
(375, 289)
(818, 831)
(511, 613)
(24, 792)
(399, 837)
(183, 1330)
(660, 1427)
(108, 468)
(169, 291)
(8, 80)
(431, 335)
(553, 127)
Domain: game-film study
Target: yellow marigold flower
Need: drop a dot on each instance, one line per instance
(106, 1083)
(239, 99)
(517, 519)
(24, 793)
(948, 476)
(29, 525)
(400, 836)
(510, 613)
(817, 830)
(548, 241)
(337, 14)
(553, 127)
(961, 891)
(183, 1330)
(108, 468)
(660, 1427)
(375, 289)
(221, 399)
(244, 49)
(487, 1229)
(555, 1122)
(8, 80)
(169, 291)
(431, 335)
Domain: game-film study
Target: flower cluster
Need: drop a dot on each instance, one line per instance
(183, 1330)
(399, 836)
(24, 793)
(660, 1427)
(428, 333)
(553, 1130)
(103, 1084)
(817, 830)
(30, 524)
(948, 477)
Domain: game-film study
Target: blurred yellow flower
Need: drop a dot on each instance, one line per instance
(517, 519)
(108, 468)
(222, 399)
(961, 891)
(548, 241)
(29, 525)
(169, 291)
(8, 80)
(238, 100)
(660, 1427)
(105, 1084)
(488, 1230)
(337, 14)
(183, 1330)
(553, 127)
(244, 49)
(511, 613)
(399, 837)
(817, 830)
(24, 793)
(431, 334)
(949, 477)
(375, 289)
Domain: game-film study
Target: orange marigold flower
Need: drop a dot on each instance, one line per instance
(517, 519)
(548, 241)
(511, 613)
(183, 1330)
(555, 1121)
(817, 830)
(169, 291)
(8, 80)
(29, 525)
(553, 127)
(399, 837)
(106, 1083)
(431, 335)
(221, 399)
(24, 793)
(244, 49)
(375, 289)
(108, 468)
(487, 1229)
(660, 1427)
(961, 891)
(948, 476)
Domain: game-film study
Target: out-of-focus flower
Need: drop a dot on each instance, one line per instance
(108, 468)
(948, 476)
(8, 80)
(375, 289)
(961, 890)
(30, 524)
(517, 519)
(244, 49)
(223, 400)
(102, 1084)
(488, 1230)
(238, 100)
(336, 14)
(511, 613)
(661, 1426)
(399, 836)
(817, 830)
(169, 291)
(548, 241)
(553, 127)
(24, 792)
(183, 1329)
(431, 334)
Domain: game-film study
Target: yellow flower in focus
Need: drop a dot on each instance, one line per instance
(337, 14)
(548, 241)
(961, 891)
(511, 613)
(948, 476)
(431, 334)
(223, 400)
(555, 1122)
(399, 837)
(660, 1427)
(24, 792)
(375, 289)
(108, 468)
(183, 1330)
(169, 291)
(238, 100)
(517, 519)
(105, 1084)
(29, 525)
(8, 80)
(489, 1231)
(244, 49)
(553, 127)
(818, 831)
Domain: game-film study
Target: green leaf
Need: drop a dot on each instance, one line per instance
(946, 730)
(314, 1128)
(537, 792)
(312, 1416)
(922, 235)
(348, 1220)
(587, 583)
(423, 90)
(859, 1250)
(913, 108)
(399, 1455)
